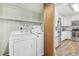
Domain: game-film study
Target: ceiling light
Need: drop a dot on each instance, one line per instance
(75, 7)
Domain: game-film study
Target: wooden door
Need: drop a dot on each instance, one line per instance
(48, 29)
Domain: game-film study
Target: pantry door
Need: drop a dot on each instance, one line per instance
(48, 29)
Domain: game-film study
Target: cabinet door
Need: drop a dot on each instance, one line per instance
(11, 12)
(66, 35)
(25, 48)
(40, 45)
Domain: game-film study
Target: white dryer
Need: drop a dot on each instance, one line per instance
(22, 44)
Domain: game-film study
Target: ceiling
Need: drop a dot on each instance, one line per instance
(35, 7)
(65, 9)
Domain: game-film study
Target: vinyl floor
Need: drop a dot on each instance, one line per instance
(68, 48)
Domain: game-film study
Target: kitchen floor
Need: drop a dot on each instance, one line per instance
(68, 48)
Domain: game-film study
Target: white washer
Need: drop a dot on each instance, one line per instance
(37, 31)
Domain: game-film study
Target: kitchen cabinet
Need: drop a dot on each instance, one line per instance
(65, 35)
(66, 21)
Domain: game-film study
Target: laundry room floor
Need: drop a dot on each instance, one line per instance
(68, 48)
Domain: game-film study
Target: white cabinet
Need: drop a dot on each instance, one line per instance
(65, 35)
(64, 22)
(15, 12)
(25, 48)
(40, 45)
(67, 21)
(11, 12)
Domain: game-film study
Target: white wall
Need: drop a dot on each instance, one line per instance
(3, 35)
